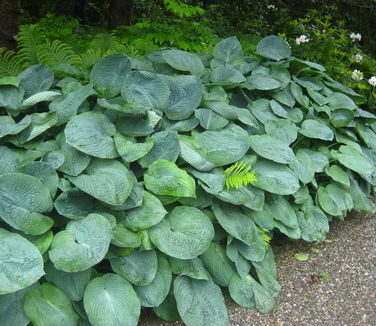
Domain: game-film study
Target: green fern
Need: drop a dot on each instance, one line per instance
(29, 44)
(238, 175)
(182, 9)
(89, 58)
(10, 63)
(56, 52)
(125, 49)
(265, 236)
(105, 42)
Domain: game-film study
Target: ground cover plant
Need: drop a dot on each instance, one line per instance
(160, 183)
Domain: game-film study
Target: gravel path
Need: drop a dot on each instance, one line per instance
(347, 298)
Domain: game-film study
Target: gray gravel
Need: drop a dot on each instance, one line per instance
(348, 297)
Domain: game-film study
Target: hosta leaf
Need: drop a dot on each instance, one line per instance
(313, 223)
(267, 273)
(283, 130)
(150, 213)
(35, 79)
(139, 267)
(11, 97)
(273, 47)
(261, 82)
(21, 263)
(275, 178)
(334, 200)
(153, 294)
(224, 147)
(130, 150)
(237, 224)
(210, 120)
(45, 96)
(316, 129)
(43, 172)
(185, 96)
(74, 204)
(353, 159)
(82, 244)
(184, 61)
(228, 50)
(75, 162)
(22, 200)
(146, 88)
(338, 175)
(109, 73)
(11, 308)
(361, 202)
(200, 302)
(185, 233)
(49, 306)
(248, 293)
(262, 111)
(165, 178)
(272, 148)
(219, 266)
(165, 147)
(123, 237)
(111, 300)
(9, 127)
(167, 310)
(66, 106)
(40, 122)
(108, 181)
(73, 284)
(189, 267)
(226, 76)
(91, 133)
(294, 115)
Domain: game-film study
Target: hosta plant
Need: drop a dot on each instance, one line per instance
(159, 183)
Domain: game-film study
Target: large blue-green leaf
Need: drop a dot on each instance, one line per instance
(165, 178)
(47, 305)
(200, 302)
(91, 133)
(185, 233)
(153, 294)
(273, 47)
(35, 79)
(184, 61)
(109, 73)
(248, 293)
(272, 148)
(73, 284)
(228, 50)
(139, 267)
(22, 200)
(111, 300)
(275, 178)
(21, 263)
(185, 96)
(146, 88)
(82, 244)
(334, 200)
(108, 181)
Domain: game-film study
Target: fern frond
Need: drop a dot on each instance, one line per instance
(238, 175)
(10, 63)
(105, 42)
(57, 52)
(265, 236)
(125, 49)
(89, 58)
(182, 9)
(28, 43)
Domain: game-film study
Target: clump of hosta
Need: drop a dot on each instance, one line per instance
(158, 183)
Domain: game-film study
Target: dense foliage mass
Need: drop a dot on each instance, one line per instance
(131, 185)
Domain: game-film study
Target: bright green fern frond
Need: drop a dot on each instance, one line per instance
(125, 49)
(10, 63)
(56, 52)
(238, 175)
(28, 43)
(90, 57)
(182, 9)
(265, 236)
(105, 42)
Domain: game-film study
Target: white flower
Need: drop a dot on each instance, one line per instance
(301, 39)
(354, 36)
(358, 57)
(372, 81)
(271, 7)
(357, 75)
